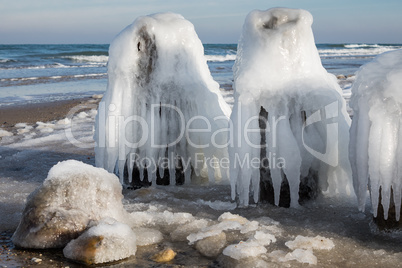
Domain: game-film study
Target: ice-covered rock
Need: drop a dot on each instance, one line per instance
(376, 136)
(72, 195)
(290, 125)
(162, 115)
(103, 243)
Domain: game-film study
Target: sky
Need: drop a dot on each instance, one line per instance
(218, 21)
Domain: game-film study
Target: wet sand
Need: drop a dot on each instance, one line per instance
(41, 112)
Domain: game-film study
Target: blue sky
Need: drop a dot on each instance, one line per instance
(218, 21)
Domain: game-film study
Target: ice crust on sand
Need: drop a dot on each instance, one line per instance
(376, 134)
(72, 195)
(278, 75)
(161, 101)
(317, 242)
(105, 242)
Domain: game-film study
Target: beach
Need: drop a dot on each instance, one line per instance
(38, 112)
(25, 163)
(37, 136)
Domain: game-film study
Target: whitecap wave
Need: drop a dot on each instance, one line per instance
(88, 59)
(357, 51)
(5, 60)
(360, 45)
(220, 58)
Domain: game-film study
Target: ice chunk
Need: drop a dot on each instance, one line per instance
(5, 133)
(181, 232)
(375, 147)
(102, 243)
(71, 196)
(147, 236)
(21, 125)
(82, 115)
(211, 246)
(213, 230)
(154, 218)
(301, 255)
(263, 238)
(227, 221)
(244, 250)
(64, 121)
(227, 216)
(45, 127)
(249, 227)
(162, 114)
(288, 113)
(317, 242)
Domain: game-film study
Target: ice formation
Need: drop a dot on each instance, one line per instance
(106, 242)
(375, 145)
(73, 195)
(162, 114)
(288, 112)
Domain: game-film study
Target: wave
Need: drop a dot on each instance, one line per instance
(360, 45)
(6, 60)
(46, 79)
(220, 58)
(55, 66)
(91, 58)
(357, 51)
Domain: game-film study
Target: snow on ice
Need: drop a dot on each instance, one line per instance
(161, 103)
(279, 82)
(376, 147)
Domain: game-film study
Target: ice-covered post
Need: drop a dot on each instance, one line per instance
(162, 115)
(376, 137)
(288, 113)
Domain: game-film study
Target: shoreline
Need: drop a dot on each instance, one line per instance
(32, 113)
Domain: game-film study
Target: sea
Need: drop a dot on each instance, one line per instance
(44, 73)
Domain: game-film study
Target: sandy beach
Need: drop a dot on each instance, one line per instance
(39, 112)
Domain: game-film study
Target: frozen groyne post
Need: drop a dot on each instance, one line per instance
(288, 113)
(376, 137)
(162, 116)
